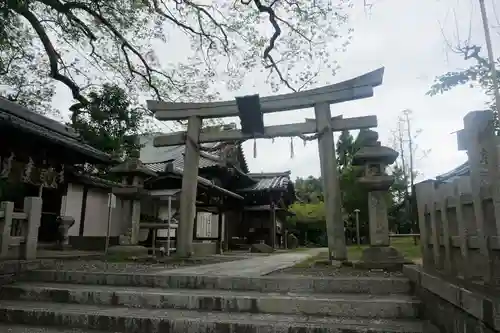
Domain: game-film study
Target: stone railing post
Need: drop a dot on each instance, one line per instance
(7, 208)
(33, 210)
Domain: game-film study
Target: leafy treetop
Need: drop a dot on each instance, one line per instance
(83, 43)
(109, 122)
(478, 73)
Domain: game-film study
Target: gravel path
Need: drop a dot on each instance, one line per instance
(256, 266)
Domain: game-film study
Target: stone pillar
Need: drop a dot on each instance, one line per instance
(377, 217)
(33, 210)
(135, 225)
(375, 158)
(227, 234)
(479, 139)
(5, 227)
(272, 220)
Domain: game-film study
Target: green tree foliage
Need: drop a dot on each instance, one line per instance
(398, 219)
(109, 121)
(345, 149)
(309, 190)
(23, 68)
(354, 196)
(83, 43)
(477, 74)
(310, 213)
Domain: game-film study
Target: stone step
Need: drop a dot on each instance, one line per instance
(341, 305)
(134, 320)
(303, 284)
(38, 329)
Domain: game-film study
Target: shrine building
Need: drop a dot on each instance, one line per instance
(46, 163)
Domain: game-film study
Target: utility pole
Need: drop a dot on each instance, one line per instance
(491, 57)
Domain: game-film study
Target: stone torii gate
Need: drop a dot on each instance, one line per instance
(320, 99)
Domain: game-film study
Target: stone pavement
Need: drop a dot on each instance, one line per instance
(248, 267)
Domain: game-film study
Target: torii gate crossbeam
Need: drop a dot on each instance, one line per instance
(320, 99)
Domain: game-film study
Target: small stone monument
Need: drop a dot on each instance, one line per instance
(65, 222)
(375, 158)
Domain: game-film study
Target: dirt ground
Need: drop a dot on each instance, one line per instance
(139, 265)
(328, 271)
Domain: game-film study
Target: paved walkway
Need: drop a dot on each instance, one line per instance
(248, 267)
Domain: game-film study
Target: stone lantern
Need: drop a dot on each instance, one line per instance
(375, 158)
(133, 174)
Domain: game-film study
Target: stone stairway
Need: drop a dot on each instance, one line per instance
(92, 302)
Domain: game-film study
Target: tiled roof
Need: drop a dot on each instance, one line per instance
(95, 181)
(268, 181)
(203, 181)
(14, 115)
(461, 170)
(157, 158)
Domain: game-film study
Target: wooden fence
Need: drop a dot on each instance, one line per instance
(19, 230)
(459, 217)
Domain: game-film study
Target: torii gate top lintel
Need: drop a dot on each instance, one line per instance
(352, 89)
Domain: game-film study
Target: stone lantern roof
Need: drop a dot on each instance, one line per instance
(372, 151)
(374, 157)
(375, 154)
(132, 166)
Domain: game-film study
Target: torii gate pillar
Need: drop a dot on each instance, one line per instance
(184, 236)
(331, 188)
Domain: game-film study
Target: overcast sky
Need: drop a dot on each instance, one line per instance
(408, 38)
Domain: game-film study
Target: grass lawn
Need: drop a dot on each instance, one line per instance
(404, 244)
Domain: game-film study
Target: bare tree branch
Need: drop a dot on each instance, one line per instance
(51, 53)
(277, 32)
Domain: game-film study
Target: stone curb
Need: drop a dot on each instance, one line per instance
(177, 321)
(226, 301)
(280, 284)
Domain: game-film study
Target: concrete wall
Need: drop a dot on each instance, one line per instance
(204, 248)
(95, 218)
(72, 206)
(199, 247)
(96, 214)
